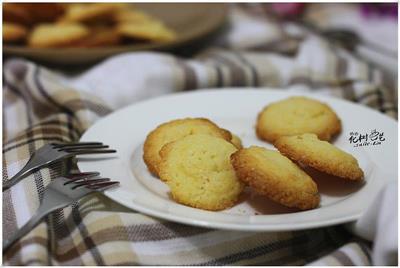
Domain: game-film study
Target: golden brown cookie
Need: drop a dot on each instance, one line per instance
(198, 171)
(132, 16)
(13, 12)
(297, 115)
(90, 13)
(174, 130)
(307, 149)
(54, 35)
(273, 175)
(43, 12)
(236, 141)
(14, 33)
(99, 37)
(149, 31)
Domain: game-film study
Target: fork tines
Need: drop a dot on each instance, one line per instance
(83, 148)
(84, 180)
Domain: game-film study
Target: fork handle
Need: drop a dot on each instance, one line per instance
(24, 229)
(27, 169)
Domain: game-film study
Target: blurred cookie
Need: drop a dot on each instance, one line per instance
(151, 31)
(54, 35)
(14, 33)
(174, 130)
(99, 37)
(132, 16)
(13, 12)
(199, 173)
(307, 149)
(89, 13)
(43, 12)
(273, 175)
(297, 115)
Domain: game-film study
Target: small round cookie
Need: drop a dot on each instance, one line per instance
(199, 173)
(297, 115)
(14, 33)
(273, 175)
(149, 31)
(174, 130)
(57, 35)
(321, 155)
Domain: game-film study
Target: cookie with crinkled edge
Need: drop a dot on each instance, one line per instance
(321, 155)
(57, 35)
(235, 140)
(174, 130)
(276, 177)
(297, 115)
(198, 171)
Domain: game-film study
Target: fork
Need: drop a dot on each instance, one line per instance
(54, 152)
(60, 193)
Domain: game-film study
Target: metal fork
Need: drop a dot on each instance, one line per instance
(60, 193)
(54, 152)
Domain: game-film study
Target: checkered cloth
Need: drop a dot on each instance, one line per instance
(42, 106)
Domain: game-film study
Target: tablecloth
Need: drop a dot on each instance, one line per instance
(42, 105)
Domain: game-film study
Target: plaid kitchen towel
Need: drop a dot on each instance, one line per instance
(41, 106)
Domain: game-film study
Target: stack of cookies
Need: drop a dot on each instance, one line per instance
(206, 167)
(54, 25)
(192, 156)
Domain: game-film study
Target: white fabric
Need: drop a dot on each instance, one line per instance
(380, 225)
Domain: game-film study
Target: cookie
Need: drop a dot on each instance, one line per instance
(174, 130)
(14, 33)
(90, 13)
(199, 173)
(43, 12)
(54, 35)
(100, 36)
(297, 115)
(150, 31)
(236, 141)
(275, 176)
(13, 12)
(307, 149)
(132, 16)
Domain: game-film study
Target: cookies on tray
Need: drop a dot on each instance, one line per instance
(297, 115)
(198, 171)
(273, 175)
(174, 130)
(108, 24)
(321, 155)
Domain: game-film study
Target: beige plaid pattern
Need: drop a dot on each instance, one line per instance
(39, 108)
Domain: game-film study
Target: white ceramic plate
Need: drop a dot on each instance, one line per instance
(236, 110)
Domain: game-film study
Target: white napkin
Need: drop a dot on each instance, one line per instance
(379, 224)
